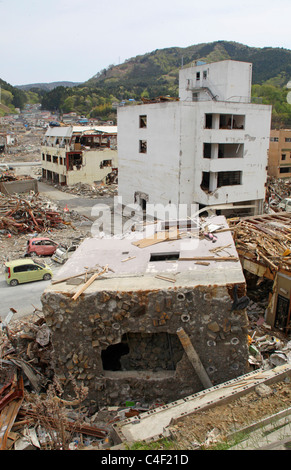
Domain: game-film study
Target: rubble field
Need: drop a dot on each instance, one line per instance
(43, 420)
(206, 428)
(25, 216)
(27, 147)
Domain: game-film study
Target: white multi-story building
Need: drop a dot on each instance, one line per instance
(208, 148)
(79, 154)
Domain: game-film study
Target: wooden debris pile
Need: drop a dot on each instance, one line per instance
(265, 239)
(8, 176)
(91, 190)
(27, 215)
(33, 415)
(277, 189)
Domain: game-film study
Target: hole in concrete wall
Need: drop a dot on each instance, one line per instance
(112, 355)
(143, 351)
(164, 256)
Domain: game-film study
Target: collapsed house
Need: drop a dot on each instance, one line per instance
(151, 318)
(263, 244)
(78, 154)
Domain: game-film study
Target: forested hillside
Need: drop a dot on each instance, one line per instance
(156, 74)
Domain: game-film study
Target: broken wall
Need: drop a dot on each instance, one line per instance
(123, 345)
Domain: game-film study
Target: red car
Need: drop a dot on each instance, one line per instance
(41, 247)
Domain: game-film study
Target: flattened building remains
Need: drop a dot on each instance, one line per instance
(121, 334)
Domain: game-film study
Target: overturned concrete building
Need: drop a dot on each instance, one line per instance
(120, 333)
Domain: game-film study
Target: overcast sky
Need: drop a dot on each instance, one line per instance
(72, 40)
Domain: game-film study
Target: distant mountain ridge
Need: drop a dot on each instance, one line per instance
(162, 65)
(156, 74)
(47, 86)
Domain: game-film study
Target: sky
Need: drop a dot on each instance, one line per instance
(45, 41)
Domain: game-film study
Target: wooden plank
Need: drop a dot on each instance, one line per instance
(194, 358)
(210, 258)
(64, 279)
(9, 413)
(88, 283)
(158, 237)
(164, 278)
(128, 259)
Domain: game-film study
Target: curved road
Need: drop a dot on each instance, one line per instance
(26, 297)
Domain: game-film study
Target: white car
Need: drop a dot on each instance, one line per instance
(62, 253)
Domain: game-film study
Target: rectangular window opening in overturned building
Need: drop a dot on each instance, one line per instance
(157, 352)
(143, 121)
(142, 146)
(167, 256)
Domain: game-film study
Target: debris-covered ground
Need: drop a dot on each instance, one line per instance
(25, 216)
(215, 425)
(277, 189)
(27, 147)
(91, 191)
(33, 414)
(46, 421)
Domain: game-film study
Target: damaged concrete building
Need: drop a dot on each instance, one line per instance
(79, 154)
(209, 147)
(127, 314)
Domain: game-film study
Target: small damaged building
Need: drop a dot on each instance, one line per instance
(127, 315)
(79, 154)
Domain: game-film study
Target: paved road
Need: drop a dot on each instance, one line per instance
(79, 204)
(22, 298)
(25, 297)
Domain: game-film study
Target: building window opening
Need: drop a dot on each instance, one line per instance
(205, 181)
(231, 121)
(283, 156)
(105, 163)
(142, 146)
(285, 169)
(206, 150)
(143, 351)
(281, 319)
(230, 150)
(143, 204)
(143, 121)
(204, 74)
(208, 121)
(164, 256)
(55, 159)
(229, 178)
(198, 76)
(75, 161)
